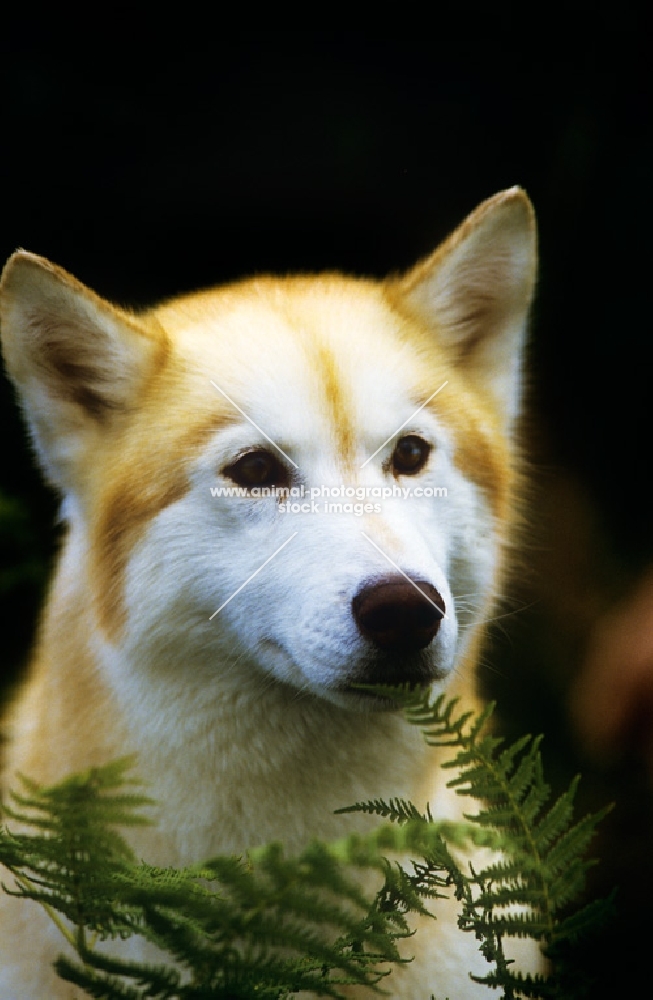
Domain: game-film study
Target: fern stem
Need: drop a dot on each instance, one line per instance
(51, 912)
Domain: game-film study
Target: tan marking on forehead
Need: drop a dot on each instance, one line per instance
(144, 487)
(338, 403)
(482, 451)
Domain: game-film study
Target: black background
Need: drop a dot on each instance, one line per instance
(148, 167)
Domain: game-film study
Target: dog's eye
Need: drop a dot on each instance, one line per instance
(410, 455)
(257, 468)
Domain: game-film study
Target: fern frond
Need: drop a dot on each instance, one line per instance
(271, 926)
(267, 926)
(514, 984)
(582, 922)
(543, 866)
(99, 986)
(395, 810)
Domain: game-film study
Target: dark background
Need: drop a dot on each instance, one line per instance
(148, 168)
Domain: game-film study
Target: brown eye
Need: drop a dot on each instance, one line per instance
(257, 468)
(410, 455)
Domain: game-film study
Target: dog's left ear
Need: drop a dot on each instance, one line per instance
(476, 289)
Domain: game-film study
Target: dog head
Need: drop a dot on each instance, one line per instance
(362, 428)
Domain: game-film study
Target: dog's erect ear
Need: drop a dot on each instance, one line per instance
(76, 360)
(476, 289)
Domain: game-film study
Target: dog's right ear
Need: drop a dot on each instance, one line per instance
(78, 362)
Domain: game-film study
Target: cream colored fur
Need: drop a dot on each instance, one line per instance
(244, 723)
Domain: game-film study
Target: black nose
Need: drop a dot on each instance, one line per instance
(396, 614)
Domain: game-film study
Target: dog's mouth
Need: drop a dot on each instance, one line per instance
(370, 698)
(382, 693)
(368, 680)
(388, 669)
(378, 697)
(374, 681)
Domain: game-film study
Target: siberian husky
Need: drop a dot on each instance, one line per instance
(275, 491)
